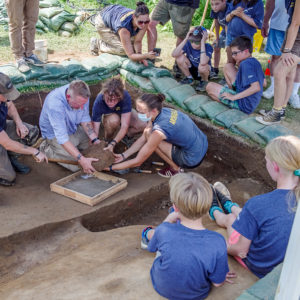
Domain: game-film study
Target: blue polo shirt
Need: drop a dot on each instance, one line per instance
(3, 115)
(194, 55)
(116, 17)
(267, 221)
(238, 27)
(249, 72)
(58, 119)
(220, 16)
(100, 108)
(181, 131)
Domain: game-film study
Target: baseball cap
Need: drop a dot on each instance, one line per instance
(7, 89)
(197, 34)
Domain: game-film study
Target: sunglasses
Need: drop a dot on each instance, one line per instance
(196, 42)
(234, 53)
(143, 22)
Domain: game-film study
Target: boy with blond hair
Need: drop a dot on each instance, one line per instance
(189, 257)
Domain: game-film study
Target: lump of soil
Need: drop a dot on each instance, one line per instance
(105, 157)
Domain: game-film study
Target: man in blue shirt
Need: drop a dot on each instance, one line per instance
(66, 125)
(13, 131)
(245, 83)
(193, 56)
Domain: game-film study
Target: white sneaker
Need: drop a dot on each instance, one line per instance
(269, 92)
(295, 101)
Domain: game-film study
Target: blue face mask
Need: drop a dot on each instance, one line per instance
(143, 117)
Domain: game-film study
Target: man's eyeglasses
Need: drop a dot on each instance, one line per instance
(234, 53)
(140, 22)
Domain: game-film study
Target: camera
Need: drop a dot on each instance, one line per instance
(157, 51)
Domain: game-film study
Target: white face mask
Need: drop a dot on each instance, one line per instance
(143, 117)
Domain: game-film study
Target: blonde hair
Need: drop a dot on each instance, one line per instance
(191, 194)
(285, 151)
(79, 88)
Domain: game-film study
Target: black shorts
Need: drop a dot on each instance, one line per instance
(178, 156)
(194, 72)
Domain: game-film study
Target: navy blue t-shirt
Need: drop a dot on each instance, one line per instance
(249, 71)
(220, 16)
(190, 261)
(100, 108)
(267, 221)
(181, 131)
(118, 16)
(290, 6)
(237, 26)
(3, 115)
(190, 3)
(194, 55)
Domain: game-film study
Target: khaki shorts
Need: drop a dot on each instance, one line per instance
(180, 16)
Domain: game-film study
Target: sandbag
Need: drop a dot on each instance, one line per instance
(163, 84)
(64, 33)
(35, 73)
(195, 102)
(74, 68)
(41, 84)
(40, 24)
(58, 20)
(230, 117)
(180, 93)
(271, 132)
(50, 12)
(109, 75)
(55, 71)
(13, 73)
(46, 22)
(132, 66)
(108, 62)
(89, 77)
(93, 65)
(249, 127)
(49, 3)
(156, 72)
(69, 26)
(212, 109)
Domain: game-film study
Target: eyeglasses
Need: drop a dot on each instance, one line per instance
(112, 98)
(140, 22)
(234, 53)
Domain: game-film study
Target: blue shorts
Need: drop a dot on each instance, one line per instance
(274, 42)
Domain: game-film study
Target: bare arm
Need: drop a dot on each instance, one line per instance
(178, 50)
(294, 27)
(96, 126)
(270, 5)
(241, 248)
(89, 130)
(254, 88)
(248, 20)
(203, 57)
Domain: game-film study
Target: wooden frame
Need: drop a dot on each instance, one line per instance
(58, 187)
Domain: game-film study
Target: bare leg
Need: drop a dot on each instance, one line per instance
(183, 64)
(229, 56)
(213, 90)
(230, 72)
(274, 62)
(204, 71)
(110, 123)
(178, 41)
(217, 57)
(225, 221)
(136, 125)
(152, 35)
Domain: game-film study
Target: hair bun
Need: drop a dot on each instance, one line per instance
(140, 3)
(161, 97)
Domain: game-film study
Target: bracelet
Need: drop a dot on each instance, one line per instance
(123, 156)
(78, 156)
(112, 141)
(110, 168)
(37, 153)
(94, 140)
(286, 50)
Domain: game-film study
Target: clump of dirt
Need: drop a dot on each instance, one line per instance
(105, 157)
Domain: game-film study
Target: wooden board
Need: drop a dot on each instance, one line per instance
(59, 187)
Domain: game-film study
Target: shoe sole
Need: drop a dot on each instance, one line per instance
(263, 113)
(165, 176)
(261, 121)
(221, 188)
(144, 246)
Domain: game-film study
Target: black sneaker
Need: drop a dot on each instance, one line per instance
(224, 197)
(214, 205)
(265, 112)
(6, 182)
(187, 80)
(214, 73)
(223, 81)
(272, 117)
(34, 60)
(18, 167)
(201, 87)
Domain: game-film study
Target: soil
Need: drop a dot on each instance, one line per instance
(105, 157)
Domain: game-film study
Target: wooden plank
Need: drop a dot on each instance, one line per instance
(58, 187)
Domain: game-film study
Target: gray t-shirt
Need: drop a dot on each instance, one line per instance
(280, 18)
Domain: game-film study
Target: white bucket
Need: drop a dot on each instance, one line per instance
(41, 50)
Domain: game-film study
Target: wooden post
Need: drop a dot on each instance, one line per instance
(204, 13)
(289, 282)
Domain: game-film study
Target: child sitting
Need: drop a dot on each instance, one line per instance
(218, 13)
(193, 57)
(245, 82)
(259, 233)
(189, 257)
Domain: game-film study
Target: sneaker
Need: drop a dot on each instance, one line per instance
(94, 48)
(223, 81)
(214, 205)
(295, 101)
(6, 182)
(224, 197)
(214, 73)
(33, 59)
(265, 112)
(32, 136)
(145, 241)
(269, 92)
(272, 117)
(201, 87)
(169, 172)
(22, 65)
(18, 167)
(187, 80)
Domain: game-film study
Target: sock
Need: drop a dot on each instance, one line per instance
(277, 108)
(189, 77)
(272, 82)
(295, 88)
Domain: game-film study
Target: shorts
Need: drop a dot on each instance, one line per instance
(222, 40)
(180, 16)
(274, 42)
(229, 103)
(179, 158)
(195, 73)
(296, 47)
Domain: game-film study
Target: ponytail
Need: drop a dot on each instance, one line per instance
(141, 9)
(153, 101)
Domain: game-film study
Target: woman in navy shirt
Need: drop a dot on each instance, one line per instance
(118, 27)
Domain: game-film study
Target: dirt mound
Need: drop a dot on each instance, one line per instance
(106, 158)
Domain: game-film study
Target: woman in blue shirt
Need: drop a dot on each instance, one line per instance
(119, 27)
(169, 133)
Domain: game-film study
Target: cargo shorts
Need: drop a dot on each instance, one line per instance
(180, 16)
